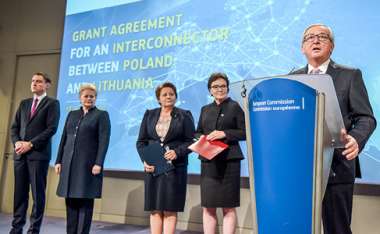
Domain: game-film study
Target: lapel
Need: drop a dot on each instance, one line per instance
(39, 107)
(29, 106)
(154, 120)
(332, 70)
(304, 70)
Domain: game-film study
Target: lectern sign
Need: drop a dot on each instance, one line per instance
(282, 115)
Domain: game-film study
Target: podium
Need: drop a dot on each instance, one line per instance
(293, 124)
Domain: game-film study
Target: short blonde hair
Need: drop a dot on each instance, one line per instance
(87, 86)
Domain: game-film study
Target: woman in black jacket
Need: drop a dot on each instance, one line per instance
(220, 177)
(173, 128)
(80, 159)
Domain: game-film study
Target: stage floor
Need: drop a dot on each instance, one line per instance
(58, 225)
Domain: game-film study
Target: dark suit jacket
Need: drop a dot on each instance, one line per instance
(84, 143)
(227, 117)
(39, 129)
(357, 116)
(180, 134)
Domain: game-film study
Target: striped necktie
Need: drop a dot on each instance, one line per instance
(315, 71)
(34, 107)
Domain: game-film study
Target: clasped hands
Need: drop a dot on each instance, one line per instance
(21, 147)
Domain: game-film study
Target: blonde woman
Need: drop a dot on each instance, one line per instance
(80, 160)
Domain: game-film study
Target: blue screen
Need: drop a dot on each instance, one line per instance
(127, 48)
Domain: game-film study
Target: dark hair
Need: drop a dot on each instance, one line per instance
(44, 75)
(165, 85)
(215, 76)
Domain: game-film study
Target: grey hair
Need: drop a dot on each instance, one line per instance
(331, 34)
(88, 86)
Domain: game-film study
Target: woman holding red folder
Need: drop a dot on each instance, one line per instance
(173, 128)
(221, 120)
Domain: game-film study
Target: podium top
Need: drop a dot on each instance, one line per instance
(322, 83)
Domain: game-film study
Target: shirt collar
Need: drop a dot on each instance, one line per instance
(39, 97)
(91, 109)
(224, 101)
(323, 67)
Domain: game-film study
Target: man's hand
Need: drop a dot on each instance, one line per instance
(57, 168)
(18, 145)
(22, 147)
(96, 169)
(351, 147)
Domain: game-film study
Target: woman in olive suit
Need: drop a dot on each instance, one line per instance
(80, 159)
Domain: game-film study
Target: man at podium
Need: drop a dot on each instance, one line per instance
(317, 46)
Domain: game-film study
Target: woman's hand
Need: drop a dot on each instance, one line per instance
(170, 155)
(57, 168)
(148, 168)
(216, 135)
(96, 169)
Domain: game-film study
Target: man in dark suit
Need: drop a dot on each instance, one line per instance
(36, 121)
(317, 46)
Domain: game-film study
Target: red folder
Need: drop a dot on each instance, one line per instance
(206, 148)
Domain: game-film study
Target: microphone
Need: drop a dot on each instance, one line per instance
(294, 68)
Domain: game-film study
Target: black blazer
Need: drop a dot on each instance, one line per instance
(179, 137)
(84, 143)
(39, 129)
(227, 117)
(357, 116)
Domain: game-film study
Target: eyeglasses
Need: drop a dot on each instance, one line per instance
(219, 86)
(322, 37)
(88, 96)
